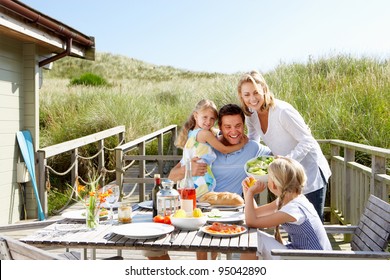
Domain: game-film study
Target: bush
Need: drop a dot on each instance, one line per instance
(89, 79)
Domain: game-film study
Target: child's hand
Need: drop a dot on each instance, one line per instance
(259, 187)
(254, 186)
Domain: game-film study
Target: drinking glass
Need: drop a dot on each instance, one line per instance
(112, 199)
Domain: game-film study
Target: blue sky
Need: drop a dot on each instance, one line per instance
(228, 35)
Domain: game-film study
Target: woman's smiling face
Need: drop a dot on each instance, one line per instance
(252, 95)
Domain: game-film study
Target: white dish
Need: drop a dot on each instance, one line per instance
(262, 165)
(202, 204)
(69, 227)
(226, 207)
(226, 217)
(143, 230)
(147, 204)
(78, 215)
(204, 229)
(189, 223)
(107, 205)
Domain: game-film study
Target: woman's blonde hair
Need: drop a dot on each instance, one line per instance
(258, 81)
(190, 123)
(289, 176)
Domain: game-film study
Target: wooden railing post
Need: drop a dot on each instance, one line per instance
(141, 149)
(349, 155)
(378, 166)
(75, 170)
(101, 161)
(118, 169)
(41, 181)
(160, 147)
(334, 182)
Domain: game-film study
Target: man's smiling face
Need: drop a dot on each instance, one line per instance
(232, 128)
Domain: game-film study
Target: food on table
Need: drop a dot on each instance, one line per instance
(180, 214)
(167, 220)
(214, 213)
(221, 228)
(158, 219)
(197, 213)
(222, 198)
(162, 219)
(259, 165)
(103, 212)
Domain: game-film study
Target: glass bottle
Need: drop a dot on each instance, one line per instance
(187, 191)
(167, 199)
(156, 188)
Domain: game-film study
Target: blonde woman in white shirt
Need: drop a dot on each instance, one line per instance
(281, 127)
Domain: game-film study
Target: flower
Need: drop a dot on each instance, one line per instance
(92, 197)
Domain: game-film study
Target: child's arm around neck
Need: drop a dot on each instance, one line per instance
(206, 136)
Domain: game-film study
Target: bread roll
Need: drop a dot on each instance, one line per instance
(222, 198)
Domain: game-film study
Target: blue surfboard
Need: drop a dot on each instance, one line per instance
(27, 149)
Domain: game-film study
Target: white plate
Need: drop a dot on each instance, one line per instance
(78, 215)
(202, 204)
(147, 204)
(226, 217)
(204, 229)
(69, 227)
(225, 207)
(107, 205)
(143, 230)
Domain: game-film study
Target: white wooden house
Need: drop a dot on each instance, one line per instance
(29, 40)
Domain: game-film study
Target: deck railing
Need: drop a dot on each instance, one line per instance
(351, 182)
(350, 185)
(72, 146)
(135, 151)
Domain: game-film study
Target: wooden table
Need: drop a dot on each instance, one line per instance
(104, 238)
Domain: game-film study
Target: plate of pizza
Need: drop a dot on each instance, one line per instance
(224, 230)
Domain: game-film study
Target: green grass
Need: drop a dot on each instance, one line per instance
(340, 97)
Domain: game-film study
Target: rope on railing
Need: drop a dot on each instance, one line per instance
(102, 174)
(127, 166)
(113, 149)
(62, 173)
(92, 157)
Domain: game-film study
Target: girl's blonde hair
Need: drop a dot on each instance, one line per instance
(258, 81)
(190, 123)
(289, 176)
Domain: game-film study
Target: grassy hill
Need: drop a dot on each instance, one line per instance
(339, 97)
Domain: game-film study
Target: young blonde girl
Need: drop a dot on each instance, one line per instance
(197, 140)
(291, 209)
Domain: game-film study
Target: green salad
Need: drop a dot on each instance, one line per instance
(259, 165)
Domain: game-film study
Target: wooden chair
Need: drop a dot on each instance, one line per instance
(370, 238)
(11, 249)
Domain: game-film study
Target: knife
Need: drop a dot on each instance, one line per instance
(173, 235)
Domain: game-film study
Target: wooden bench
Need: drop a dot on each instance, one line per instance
(370, 238)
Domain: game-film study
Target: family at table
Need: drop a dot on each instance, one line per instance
(297, 177)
